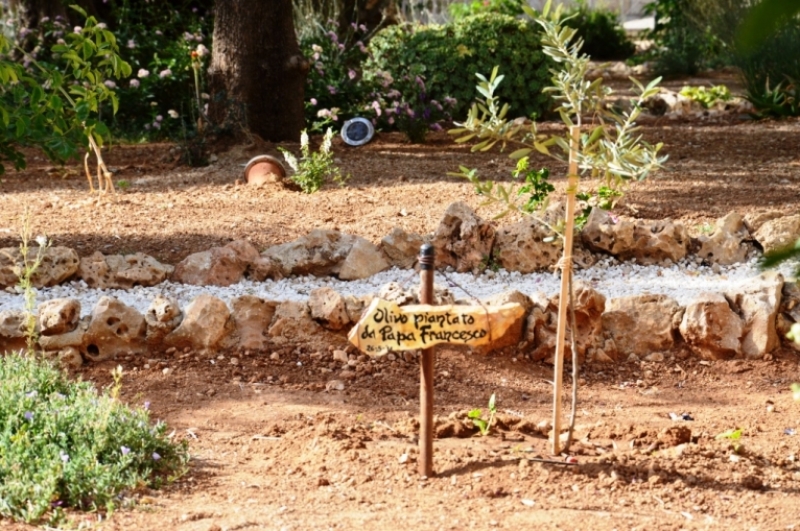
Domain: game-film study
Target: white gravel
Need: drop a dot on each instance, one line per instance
(613, 279)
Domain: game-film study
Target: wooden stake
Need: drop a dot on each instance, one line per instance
(426, 259)
(566, 273)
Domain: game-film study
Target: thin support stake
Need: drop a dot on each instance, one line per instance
(426, 258)
(566, 274)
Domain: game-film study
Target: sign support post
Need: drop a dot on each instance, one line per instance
(426, 366)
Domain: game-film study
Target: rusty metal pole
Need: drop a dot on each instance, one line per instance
(426, 259)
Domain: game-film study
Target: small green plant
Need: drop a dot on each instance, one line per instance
(123, 184)
(25, 272)
(484, 425)
(733, 435)
(63, 444)
(313, 168)
(707, 96)
(490, 261)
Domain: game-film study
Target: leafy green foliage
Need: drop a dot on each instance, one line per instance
(447, 56)
(707, 96)
(770, 72)
(604, 39)
(535, 187)
(55, 105)
(459, 10)
(484, 425)
(63, 444)
(313, 168)
(684, 41)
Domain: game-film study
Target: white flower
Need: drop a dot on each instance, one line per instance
(172, 113)
(201, 50)
(304, 139)
(165, 73)
(326, 141)
(291, 160)
(110, 84)
(142, 73)
(41, 240)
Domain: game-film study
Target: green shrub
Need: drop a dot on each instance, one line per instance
(686, 36)
(603, 37)
(771, 72)
(448, 56)
(63, 444)
(476, 7)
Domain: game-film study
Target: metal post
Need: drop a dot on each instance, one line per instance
(426, 260)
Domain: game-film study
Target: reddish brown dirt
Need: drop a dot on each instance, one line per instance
(272, 449)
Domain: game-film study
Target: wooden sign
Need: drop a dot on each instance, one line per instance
(386, 326)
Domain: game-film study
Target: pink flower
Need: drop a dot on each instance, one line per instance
(134, 83)
(351, 74)
(165, 73)
(313, 101)
(110, 84)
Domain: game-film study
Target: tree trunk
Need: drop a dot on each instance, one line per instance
(257, 73)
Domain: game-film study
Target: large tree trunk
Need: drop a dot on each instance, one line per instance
(257, 73)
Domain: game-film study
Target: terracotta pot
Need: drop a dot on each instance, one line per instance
(264, 169)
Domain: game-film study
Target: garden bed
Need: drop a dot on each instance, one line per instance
(273, 448)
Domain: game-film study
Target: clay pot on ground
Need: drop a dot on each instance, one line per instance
(264, 169)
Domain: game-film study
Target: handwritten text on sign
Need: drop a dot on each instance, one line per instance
(387, 326)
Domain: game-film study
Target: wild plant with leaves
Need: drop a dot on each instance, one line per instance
(313, 168)
(609, 150)
(56, 105)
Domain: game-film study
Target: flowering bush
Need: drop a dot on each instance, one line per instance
(338, 89)
(158, 39)
(53, 98)
(63, 444)
(335, 90)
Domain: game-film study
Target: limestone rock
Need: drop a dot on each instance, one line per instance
(162, 317)
(463, 240)
(122, 272)
(74, 339)
(263, 268)
(356, 305)
(521, 247)
(641, 324)
(401, 248)
(12, 331)
(789, 312)
(542, 322)
(115, 328)
(58, 264)
(754, 220)
(205, 325)
(758, 303)
(608, 234)
(657, 241)
(244, 250)
(293, 323)
(514, 334)
(778, 233)
(69, 357)
(363, 261)
(726, 245)
(252, 317)
(394, 292)
(219, 266)
(711, 328)
(647, 242)
(58, 316)
(328, 308)
(320, 253)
